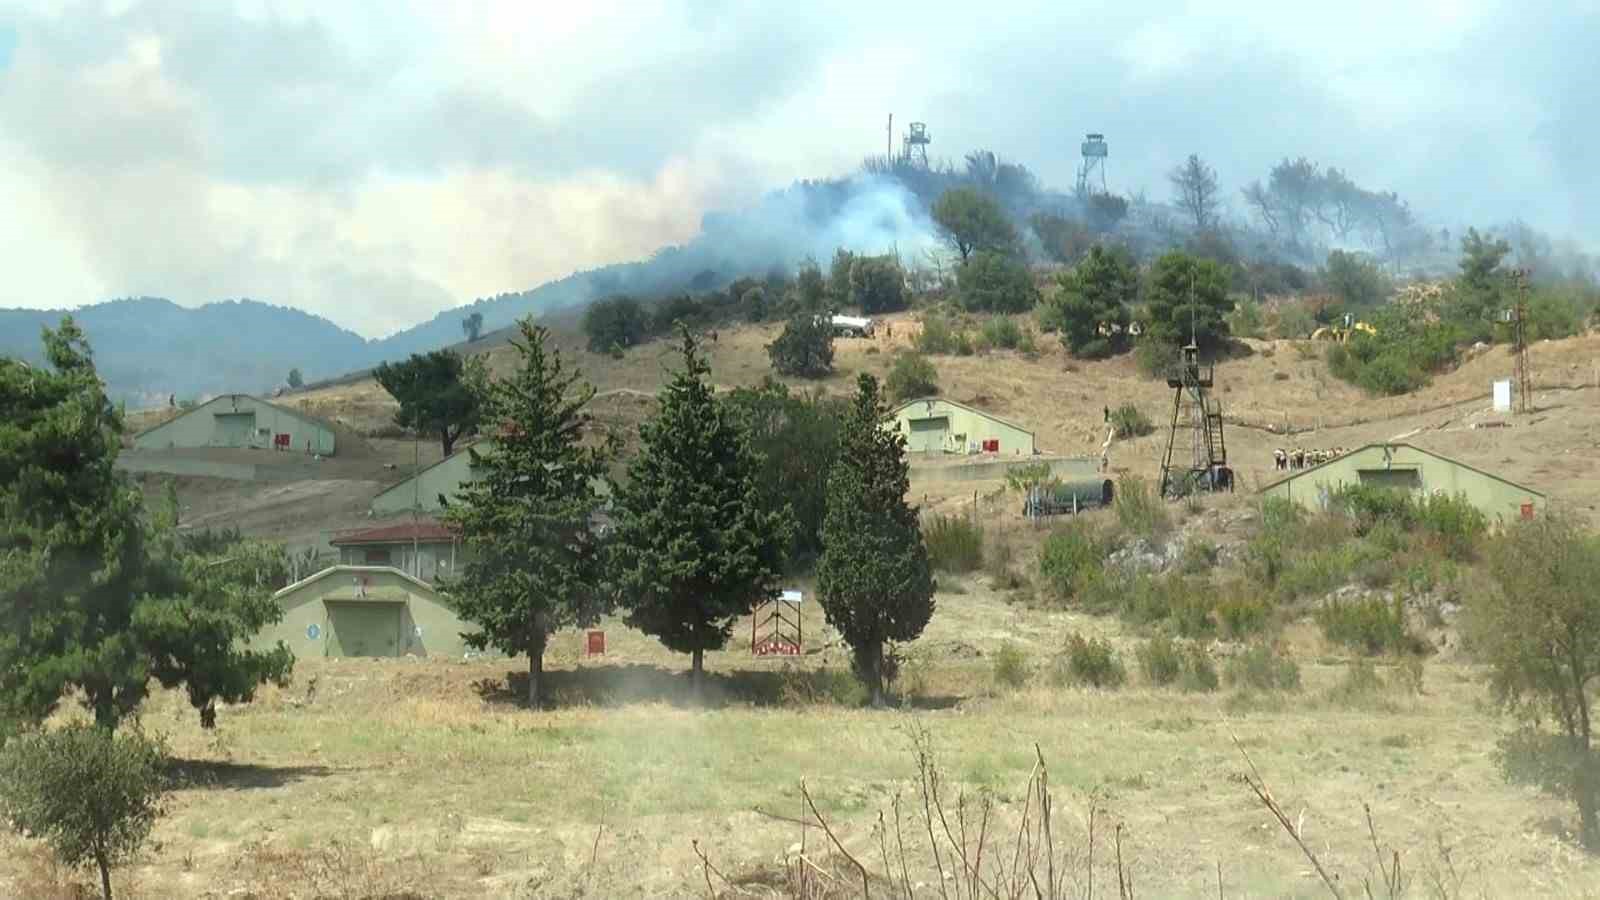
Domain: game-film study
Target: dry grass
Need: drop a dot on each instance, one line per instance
(424, 776)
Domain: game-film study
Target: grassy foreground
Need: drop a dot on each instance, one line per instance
(421, 778)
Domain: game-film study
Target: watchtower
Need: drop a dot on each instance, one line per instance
(1202, 465)
(914, 147)
(1094, 163)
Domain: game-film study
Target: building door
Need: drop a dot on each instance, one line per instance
(927, 435)
(1398, 479)
(363, 629)
(233, 429)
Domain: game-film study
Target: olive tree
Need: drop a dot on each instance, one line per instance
(91, 794)
(1538, 627)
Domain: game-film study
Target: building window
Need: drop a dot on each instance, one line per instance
(378, 556)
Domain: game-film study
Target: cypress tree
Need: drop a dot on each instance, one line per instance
(533, 558)
(873, 579)
(695, 549)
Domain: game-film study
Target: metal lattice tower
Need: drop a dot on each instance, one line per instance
(1094, 162)
(1517, 316)
(914, 147)
(1197, 456)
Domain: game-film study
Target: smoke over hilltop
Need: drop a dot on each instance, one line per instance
(865, 213)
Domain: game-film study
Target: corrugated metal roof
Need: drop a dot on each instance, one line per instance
(428, 530)
(957, 403)
(1383, 444)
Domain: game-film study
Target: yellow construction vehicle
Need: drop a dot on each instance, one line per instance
(1343, 331)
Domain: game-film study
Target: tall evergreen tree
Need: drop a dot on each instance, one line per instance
(695, 546)
(874, 580)
(533, 558)
(95, 595)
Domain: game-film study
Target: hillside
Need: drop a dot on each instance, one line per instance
(1278, 387)
(148, 348)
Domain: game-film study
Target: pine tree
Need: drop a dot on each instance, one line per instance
(95, 595)
(533, 558)
(695, 549)
(873, 580)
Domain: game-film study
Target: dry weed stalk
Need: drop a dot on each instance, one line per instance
(1444, 882)
(1258, 786)
(972, 861)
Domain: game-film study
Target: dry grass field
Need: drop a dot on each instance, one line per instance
(423, 778)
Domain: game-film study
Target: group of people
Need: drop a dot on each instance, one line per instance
(1301, 458)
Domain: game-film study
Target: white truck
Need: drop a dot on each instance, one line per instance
(851, 326)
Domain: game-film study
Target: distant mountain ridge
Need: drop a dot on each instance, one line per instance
(149, 348)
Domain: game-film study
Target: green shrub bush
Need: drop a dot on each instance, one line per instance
(1010, 667)
(955, 543)
(1260, 668)
(912, 376)
(1160, 661)
(1453, 523)
(1069, 553)
(1370, 625)
(938, 336)
(1093, 663)
(1241, 615)
(1130, 421)
(91, 794)
(1140, 512)
(1002, 332)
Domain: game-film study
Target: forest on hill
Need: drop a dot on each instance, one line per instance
(1301, 230)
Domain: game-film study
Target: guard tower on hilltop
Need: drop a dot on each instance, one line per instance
(1197, 456)
(914, 146)
(1094, 164)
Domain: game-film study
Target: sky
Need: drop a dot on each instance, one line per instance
(378, 162)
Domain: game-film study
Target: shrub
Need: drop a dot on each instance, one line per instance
(911, 377)
(1199, 672)
(804, 349)
(1199, 555)
(1370, 625)
(1092, 663)
(1139, 511)
(1027, 344)
(1242, 616)
(1454, 523)
(1068, 554)
(1361, 683)
(1155, 358)
(998, 557)
(1368, 506)
(92, 795)
(822, 687)
(615, 323)
(995, 282)
(1010, 666)
(937, 336)
(955, 543)
(877, 284)
(1130, 421)
(1002, 332)
(1260, 668)
(1160, 661)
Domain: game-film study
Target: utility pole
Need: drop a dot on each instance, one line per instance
(888, 142)
(416, 498)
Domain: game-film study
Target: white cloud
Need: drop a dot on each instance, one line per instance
(376, 162)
